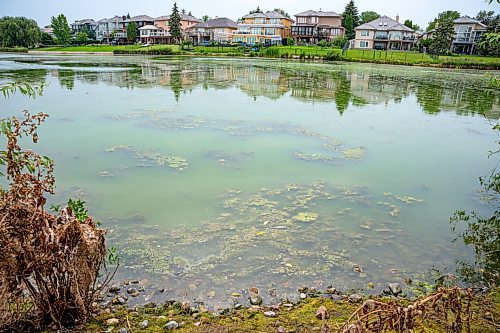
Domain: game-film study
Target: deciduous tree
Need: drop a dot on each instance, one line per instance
(132, 31)
(61, 28)
(19, 31)
(449, 14)
(369, 16)
(443, 37)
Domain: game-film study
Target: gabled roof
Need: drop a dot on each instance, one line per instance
(384, 23)
(140, 18)
(85, 21)
(270, 14)
(149, 27)
(313, 13)
(221, 22)
(184, 17)
(467, 20)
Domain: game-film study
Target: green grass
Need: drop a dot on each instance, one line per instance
(106, 48)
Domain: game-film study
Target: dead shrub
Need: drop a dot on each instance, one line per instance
(49, 263)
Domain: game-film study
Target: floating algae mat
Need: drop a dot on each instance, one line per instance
(215, 175)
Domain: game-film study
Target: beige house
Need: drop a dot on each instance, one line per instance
(265, 28)
(467, 34)
(384, 33)
(158, 31)
(216, 30)
(312, 26)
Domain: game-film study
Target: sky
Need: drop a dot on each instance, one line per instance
(420, 11)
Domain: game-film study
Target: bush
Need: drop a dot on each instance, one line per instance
(165, 51)
(14, 49)
(49, 263)
(271, 52)
(334, 56)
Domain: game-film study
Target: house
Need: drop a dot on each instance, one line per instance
(48, 30)
(265, 28)
(158, 31)
(467, 33)
(86, 25)
(312, 26)
(384, 33)
(112, 29)
(217, 30)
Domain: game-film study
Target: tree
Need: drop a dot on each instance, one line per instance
(19, 31)
(47, 39)
(290, 41)
(61, 28)
(489, 44)
(449, 14)
(348, 24)
(490, 19)
(409, 24)
(132, 31)
(174, 24)
(369, 16)
(128, 16)
(443, 37)
(257, 10)
(282, 12)
(352, 10)
(81, 37)
(340, 41)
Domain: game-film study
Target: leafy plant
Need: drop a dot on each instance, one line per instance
(78, 209)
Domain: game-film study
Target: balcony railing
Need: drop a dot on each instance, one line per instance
(120, 35)
(156, 34)
(382, 37)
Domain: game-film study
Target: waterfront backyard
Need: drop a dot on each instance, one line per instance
(216, 175)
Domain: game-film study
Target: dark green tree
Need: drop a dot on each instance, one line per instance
(352, 10)
(131, 32)
(282, 12)
(81, 37)
(348, 24)
(47, 39)
(449, 14)
(369, 16)
(62, 31)
(19, 31)
(205, 18)
(490, 19)
(409, 24)
(128, 16)
(257, 10)
(174, 24)
(443, 37)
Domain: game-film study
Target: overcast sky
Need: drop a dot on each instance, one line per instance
(420, 11)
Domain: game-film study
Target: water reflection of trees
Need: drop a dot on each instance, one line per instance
(344, 86)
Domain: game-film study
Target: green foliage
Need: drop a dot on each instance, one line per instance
(47, 39)
(409, 24)
(446, 15)
(78, 209)
(348, 24)
(174, 24)
(19, 32)
(205, 18)
(61, 28)
(352, 11)
(489, 43)
(112, 256)
(322, 43)
(132, 32)
(255, 11)
(339, 41)
(81, 37)
(271, 52)
(290, 41)
(25, 89)
(443, 37)
(334, 56)
(282, 12)
(369, 16)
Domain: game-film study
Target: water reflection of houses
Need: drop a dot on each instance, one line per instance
(435, 92)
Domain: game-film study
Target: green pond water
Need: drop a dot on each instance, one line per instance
(215, 175)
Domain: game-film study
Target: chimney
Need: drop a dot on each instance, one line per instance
(397, 18)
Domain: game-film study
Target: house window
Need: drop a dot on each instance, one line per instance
(363, 44)
(259, 20)
(365, 33)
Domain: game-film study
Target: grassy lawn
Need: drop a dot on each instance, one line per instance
(105, 48)
(412, 57)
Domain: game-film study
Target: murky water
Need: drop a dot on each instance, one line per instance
(217, 175)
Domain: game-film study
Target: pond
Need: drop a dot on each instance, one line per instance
(215, 175)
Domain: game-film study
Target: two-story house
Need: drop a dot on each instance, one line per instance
(384, 33)
(111, 29)
(158, 31)
(265, 28)
(86, 25)
(217, 30)
(467, 34)
(312, 26)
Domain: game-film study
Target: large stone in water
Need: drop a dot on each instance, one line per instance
(395, 289)
(172, 325)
